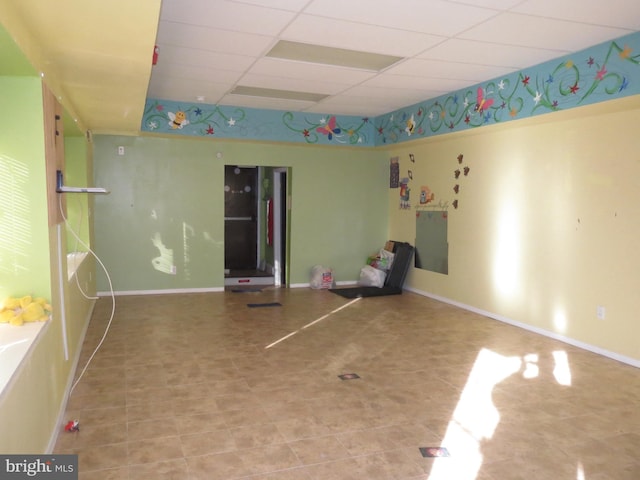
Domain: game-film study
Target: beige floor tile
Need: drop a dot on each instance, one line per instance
(169, 470)
(319, 450)
(205, 399)
(153, 450)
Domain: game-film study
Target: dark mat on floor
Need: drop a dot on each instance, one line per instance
(356, 292)
(395, 278)
(270, 304)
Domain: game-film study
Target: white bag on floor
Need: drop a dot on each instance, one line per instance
(321, 277)
(371, 277)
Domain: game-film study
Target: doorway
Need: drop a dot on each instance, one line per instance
(255, 225)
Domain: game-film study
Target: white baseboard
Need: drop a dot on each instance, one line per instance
(161, 292)
(540, 331)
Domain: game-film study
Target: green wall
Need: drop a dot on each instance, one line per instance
(24, 237)
(174, 188)
(76, 173)
(32, 404)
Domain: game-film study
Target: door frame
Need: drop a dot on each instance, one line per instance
(280, 183)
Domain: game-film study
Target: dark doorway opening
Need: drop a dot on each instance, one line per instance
(255, 225)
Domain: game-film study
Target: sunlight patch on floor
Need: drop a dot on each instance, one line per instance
(475, 417)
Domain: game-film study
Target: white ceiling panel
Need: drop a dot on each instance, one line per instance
(291, 5)
(212, 39)
(410, 94)
(209, 47)
(470, 51)
(265, 102)
(446, 45)
(437, 17)
(227, 15)
(495, 4)
(309, 71)
(441, 69)
(185, 56)
(358, 36)
(549, 33)
(195, 72)
(187, 90)
(288, 83)
(443, 85)
(613, 13)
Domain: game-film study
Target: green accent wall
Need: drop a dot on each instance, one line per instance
(32, 404)
(24, 235)
(76, 174)
(172, 189)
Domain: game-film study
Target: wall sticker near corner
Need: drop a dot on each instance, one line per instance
(600, 73)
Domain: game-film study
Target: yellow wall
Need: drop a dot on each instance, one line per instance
(547, 225)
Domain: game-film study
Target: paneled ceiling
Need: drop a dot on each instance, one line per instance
(209, 48)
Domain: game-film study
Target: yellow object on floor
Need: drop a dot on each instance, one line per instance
(17, 311)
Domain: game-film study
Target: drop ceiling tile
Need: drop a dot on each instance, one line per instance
(472, 51)
(227, 15)
(195, 72)
(438, 17)
(538, 32)
(308, 71)
(264, 102)
(350, 105)
(409, 95)
(291, 5)
(212, 39)
(186, 90)
(495, 4)
(357, 36)
(612, 13)
(287, 83)
(196, 57)
(412, 81)
(456, 71)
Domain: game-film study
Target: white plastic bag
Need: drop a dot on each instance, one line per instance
(371, 277)
(321, 277)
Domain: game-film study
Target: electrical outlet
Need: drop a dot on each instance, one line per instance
(120, 150)
(600, 312)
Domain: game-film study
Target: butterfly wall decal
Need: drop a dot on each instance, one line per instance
(330, 129)
(482, 101)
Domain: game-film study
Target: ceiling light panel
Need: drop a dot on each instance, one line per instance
(275, 93)
(303, 52)
(357, 36)
(286, 83)
(309, 71)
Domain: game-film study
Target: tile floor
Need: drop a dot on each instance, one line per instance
(203, 387)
